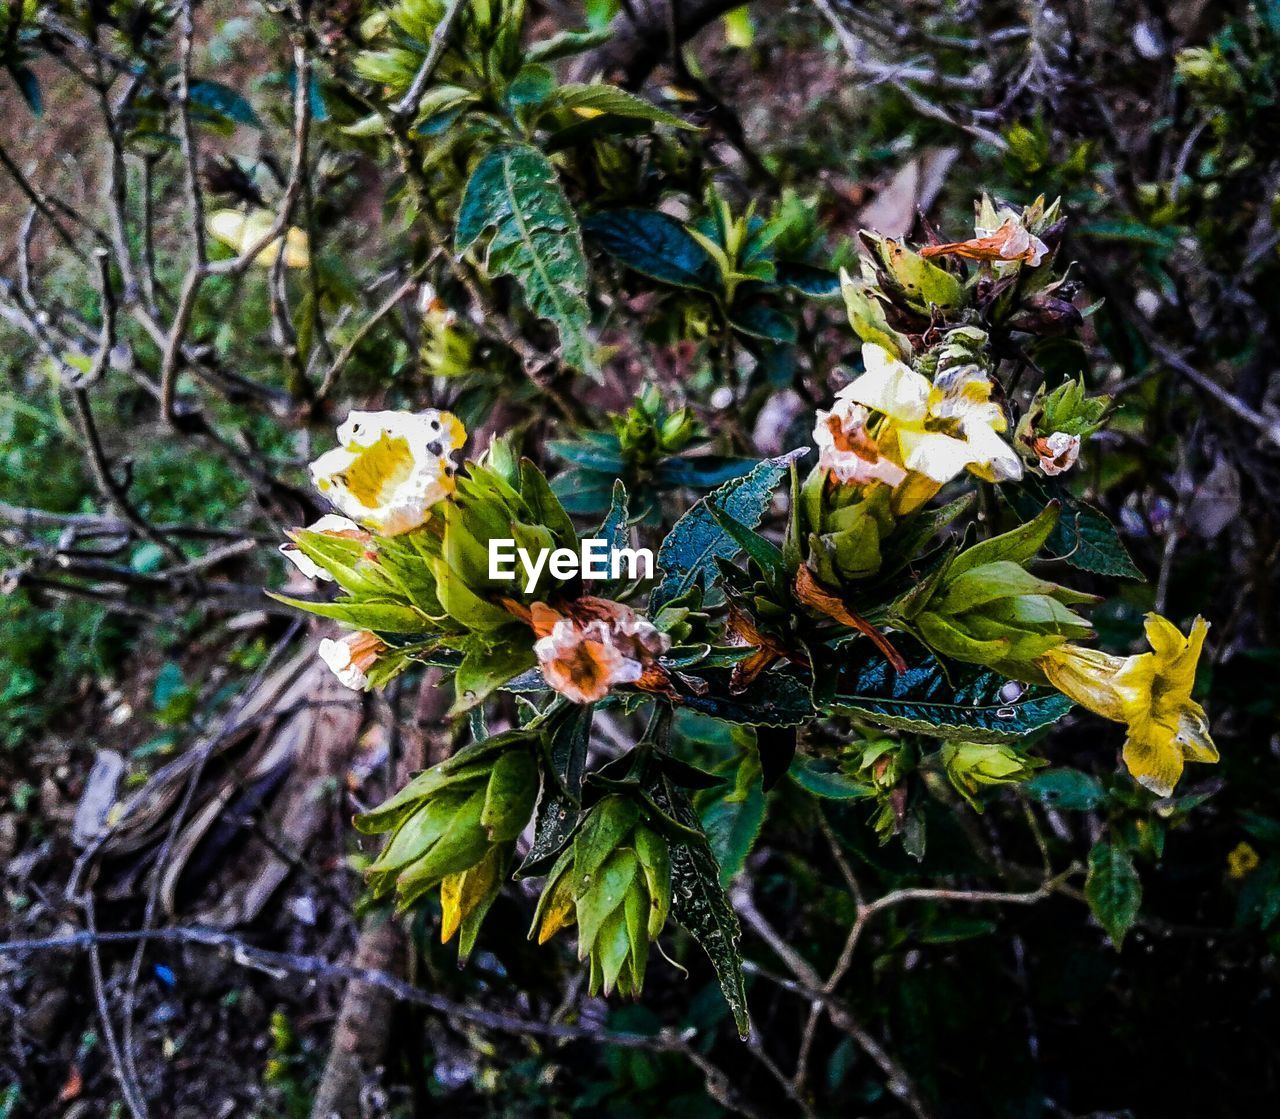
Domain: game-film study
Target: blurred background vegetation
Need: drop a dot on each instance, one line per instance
(1155, 123)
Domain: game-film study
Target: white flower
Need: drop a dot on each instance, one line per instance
(352, 656)
(331, 524)
(1058, 452)
(943, 428)
(594, 645)
(848, 451)
(391, 467)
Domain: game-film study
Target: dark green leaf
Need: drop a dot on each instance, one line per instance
(1066, 788)
(702, 471)
(1113, 890)
(591, 455)
(688, 555)
(959, 701)
(807, 279)
(823, 778)
(559, 805)
(224, 101)
(699, 903)
(515, 193)
(655, 245)
(775, 699)
(1083, 537)
(29, 86)
(599, 97)
(763, 321)
(732, 821)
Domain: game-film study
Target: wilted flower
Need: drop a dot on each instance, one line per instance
(847, 451)
(614, 882)
(1001, 236)
(241, 231)
(971, 766)
(1150, 693)
(352, 656)
(391, 467)
(941, 428)
(1057, 452)
(331, 524)
(592, 644)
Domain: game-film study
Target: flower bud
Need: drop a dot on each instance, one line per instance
(971, 766)
(614, 882)
(455, 826)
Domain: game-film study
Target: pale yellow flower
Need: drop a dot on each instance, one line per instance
(1150, 693)
(240, 231)
(391, 467)
(352, 656)
(593, 644)
(941, 428)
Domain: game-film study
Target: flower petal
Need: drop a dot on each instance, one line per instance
(888, 386)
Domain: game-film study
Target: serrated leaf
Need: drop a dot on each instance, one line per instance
(959, 701)
(732, 823)
(655, 245)
(775, 699)
(1083, 536)
(514, 192)
(688, 555)
(1113, 890)
(560, 802)
(601, 98)
(700, 905)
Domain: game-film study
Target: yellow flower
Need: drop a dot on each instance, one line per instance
(391, 468)
(241, 232)
(940, 428)
(1242, 860)
(847, 451)
(1150, 693)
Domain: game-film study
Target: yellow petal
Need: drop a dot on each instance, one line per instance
(1088, 676)
(889, 386)
(937, 456)
(1153, 758)
(1193, 735)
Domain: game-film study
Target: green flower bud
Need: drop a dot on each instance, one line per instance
(614, 882)
(971, 766)
(455, 826)
(910, 280)
(984, 607)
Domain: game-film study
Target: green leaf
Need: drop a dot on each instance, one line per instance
(381, 617)
(612, 101)
(560, 803)
(732, 819)
(583, 491)
(591, 455)
(774, 699)
(484, 669)
(1083, 536)
(760, 320)
(701, 471)
(655, 245)
(225, 102)
(1113, 890)
(958, 701)
(515, 193)
(699, 903)
(566, 44)
(1066, 788)
(808, 280)
(822, 778)
(687, 557)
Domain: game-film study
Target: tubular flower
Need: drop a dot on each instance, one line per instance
(1009, 242)
(352, 656)
(593, 644)
(943, 428)
(391, 467)
(331, 524)
(847, 451)
(1150, 693)
(1057, 452)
